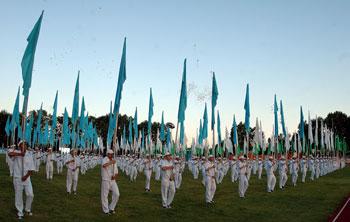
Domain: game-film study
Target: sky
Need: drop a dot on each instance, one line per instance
(298, 50)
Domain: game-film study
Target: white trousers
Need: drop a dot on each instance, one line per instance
(210, 188)
(72, 178)
(168, 192)
(243, 185)
(283, 179)
(294, 179)
(271, 182)
(19, 187)
(148, 174)
(37, 165)
(49, 170)
(178, 180)
(59, 167)
(107, 186)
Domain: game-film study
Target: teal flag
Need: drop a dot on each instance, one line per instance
(130, 131)
(235, 139)
(247, 110)
(302, 124)
(15, 113)
(275, 112)
(162, 129)
(28, 60)
(214, 99)
(82, 116)
(121, 80)
(200, 137)
(8, 126)
(182, 133)
(183, 97)
(205, 123)
(168, 138)
(38, 121)
(75, 110)
(150, 111)
(282, 120)
(219, 129)
(65, 129)
(28, 130)
(136, 128)
(54, 121)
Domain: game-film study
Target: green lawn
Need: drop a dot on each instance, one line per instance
(312, 201)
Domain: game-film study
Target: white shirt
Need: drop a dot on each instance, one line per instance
(109, 171)
(27, 163)
(166, 174)
(73, 165)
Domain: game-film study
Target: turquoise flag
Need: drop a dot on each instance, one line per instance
(183, 97)
(214, 99)
(15, 113)
(46, 133)
(121, 80)
(182, 133)
(28, 130)
(150, 112)
(54, 121)
(82, 116)
(162, 129)
(282, 120)
(275, 111)
(301, 125)
(75, 110)
(66, 136)
(28, 60)
(219, 129)
(143, 139)
(136, 127)
(8, 126)
(38, 121)
(20, 132)
(235, 140)
(111, 126)
(130, 131)
(200, 137)
(205, 123)
(247, 110)
(168, 138)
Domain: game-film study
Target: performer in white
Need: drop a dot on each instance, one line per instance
(243, 181)
(59, 162)
(73, 164)
(210, 182)
(23, 166)
(49, 164)
(282, 166)
(109, 174)
(147, 169)
(168, 185)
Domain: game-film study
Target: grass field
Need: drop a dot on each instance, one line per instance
(312, 201)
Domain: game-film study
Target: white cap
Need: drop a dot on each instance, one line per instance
(210, 156)
(109, 151)
(167, 154)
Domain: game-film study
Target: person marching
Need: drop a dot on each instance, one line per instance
(59, 164)
(23, 167)
(271, 178)
(243, 181)
(49, 164)
(73, 164)
(210, 182)
(167, 184)
(295, 169)
(148, 172)
(282, 166)
(109, 174)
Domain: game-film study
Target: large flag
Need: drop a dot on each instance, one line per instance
(130, 132)
(183, 97)
(162, 129)
(214, 99)
(15, 113)
(8, 126)
(121, 80)
(65, 129)
(311, 137)
(82, 115)
(234, 126)
(275, 110)
(38, 124)
(247, 110)
(150, 112)
(54, 120)
(136, 128)
(182, 133)
(28, 61)
(282, 120)
(219, 129)
(205, 123)
(75, 110)
(111, 126)
(302, 124)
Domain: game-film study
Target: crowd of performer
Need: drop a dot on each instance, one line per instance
(23, 162)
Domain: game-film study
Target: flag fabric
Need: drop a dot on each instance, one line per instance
(183, 97)
(121, 80)
(311, 137)
(214, 99)
(200, 137)
(247, 110)
(282, 120)
(8, 126)
(130, 131)
(28, 130)
(275, 110)
(65, 129)
(136, 128)
(150, 111)
(75, 110)
(28, 60)
(301, 125)
(38, 121)
(82, 116)
(54, 120)
(162, 129)
(234, 126)
(316, 133)
(182, 133)
(219, 129)
(15, 113)
(205, 123)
